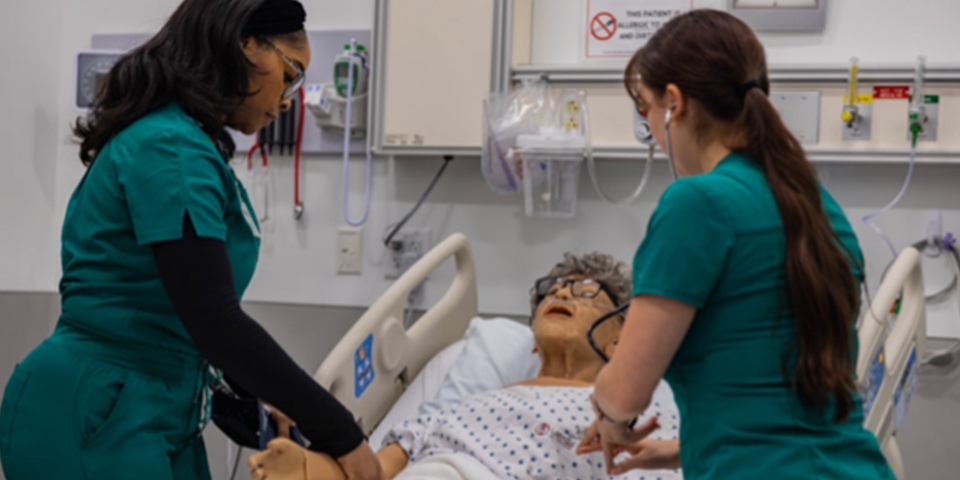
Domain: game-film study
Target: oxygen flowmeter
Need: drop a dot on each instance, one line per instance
(918, 118)
(857, 112)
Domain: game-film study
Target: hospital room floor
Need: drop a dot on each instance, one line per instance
(928, 438)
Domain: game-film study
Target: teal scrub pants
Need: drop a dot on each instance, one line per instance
(81, 407)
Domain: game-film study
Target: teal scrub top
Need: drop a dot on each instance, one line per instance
(136, 193)
(716, 242)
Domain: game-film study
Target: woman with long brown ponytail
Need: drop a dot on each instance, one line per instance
(746, 284)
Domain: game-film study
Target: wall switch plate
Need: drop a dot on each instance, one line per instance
(349, 251)
(800, 111)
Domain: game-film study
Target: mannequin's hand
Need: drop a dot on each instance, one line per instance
(361, 464)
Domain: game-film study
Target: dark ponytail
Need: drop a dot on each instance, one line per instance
(196, 59)
(715, 59)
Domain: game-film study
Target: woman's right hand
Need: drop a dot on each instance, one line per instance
(361, 464)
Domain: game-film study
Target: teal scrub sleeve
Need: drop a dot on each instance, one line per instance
(686, 247)
(170, 175)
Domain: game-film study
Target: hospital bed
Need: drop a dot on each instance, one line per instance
(369, 370)
(891, 352)
(377, 359)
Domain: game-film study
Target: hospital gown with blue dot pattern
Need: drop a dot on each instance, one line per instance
(524, 432)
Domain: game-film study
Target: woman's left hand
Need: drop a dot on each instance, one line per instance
(611, 437)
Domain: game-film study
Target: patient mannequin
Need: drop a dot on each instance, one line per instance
(564, 304)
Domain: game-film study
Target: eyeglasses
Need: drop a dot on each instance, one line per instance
(297, 81)
(579, 287)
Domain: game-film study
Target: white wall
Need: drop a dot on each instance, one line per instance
(82, 19)
(41, 38)
(28, 133)
(877, 31)
(298, 263)
(513, 249)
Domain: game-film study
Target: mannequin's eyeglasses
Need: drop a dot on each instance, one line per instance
(579, 287)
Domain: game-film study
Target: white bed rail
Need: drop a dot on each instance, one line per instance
(397, 355)
(891, 354)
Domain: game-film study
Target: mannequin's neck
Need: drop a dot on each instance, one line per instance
(565, 360)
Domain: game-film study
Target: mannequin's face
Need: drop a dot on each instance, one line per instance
(563, 318)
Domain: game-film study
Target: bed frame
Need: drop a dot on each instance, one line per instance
(894, 357)
(397, 355)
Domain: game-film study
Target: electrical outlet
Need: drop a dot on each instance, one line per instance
(349, 251)
(572, 115)
(407, 244)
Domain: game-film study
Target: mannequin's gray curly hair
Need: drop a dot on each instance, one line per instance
(601, 267)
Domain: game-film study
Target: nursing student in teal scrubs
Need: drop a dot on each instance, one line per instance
(159, 243)
(746, 283)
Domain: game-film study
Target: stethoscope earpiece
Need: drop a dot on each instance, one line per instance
(666, 125)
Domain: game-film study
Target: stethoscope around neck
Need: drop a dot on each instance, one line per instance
(616, 312)
(600, 321)
(623, 308)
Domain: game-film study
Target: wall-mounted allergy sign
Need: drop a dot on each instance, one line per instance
(615, 29)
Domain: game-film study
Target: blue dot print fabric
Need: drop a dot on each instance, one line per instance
(525, 432)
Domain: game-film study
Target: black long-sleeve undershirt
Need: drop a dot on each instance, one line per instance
(198, 278)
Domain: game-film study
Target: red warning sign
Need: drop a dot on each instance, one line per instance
(603, 26)
(892, 92)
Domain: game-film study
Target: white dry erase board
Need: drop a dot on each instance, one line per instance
(433, 67)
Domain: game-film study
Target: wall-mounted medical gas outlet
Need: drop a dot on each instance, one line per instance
(407, 246)
(641, 129)
(349, 251)
(859, 124)
(924, 112)
(801, 113)
(930, 119)
(857, 112)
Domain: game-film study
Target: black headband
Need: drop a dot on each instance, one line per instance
(746, 87)
(275, 17)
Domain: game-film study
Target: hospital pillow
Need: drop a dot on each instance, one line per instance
(498, 353)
